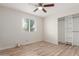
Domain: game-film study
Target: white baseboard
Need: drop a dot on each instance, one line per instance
(12, 46)
(56, 43)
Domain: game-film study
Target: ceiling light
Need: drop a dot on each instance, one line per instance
(40, 8)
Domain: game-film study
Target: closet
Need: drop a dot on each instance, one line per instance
(68, 29)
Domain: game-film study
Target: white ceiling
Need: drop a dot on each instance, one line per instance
(29, 7)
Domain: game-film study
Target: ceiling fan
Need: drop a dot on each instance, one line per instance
(41, 6)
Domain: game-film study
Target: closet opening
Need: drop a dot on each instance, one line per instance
(68, 30)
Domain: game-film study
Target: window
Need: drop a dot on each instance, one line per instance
(29, 25)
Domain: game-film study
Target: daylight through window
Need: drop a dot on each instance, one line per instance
(29, 25)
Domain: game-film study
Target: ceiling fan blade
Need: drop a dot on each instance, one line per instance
(40, 4)
(35, 10)
(44, 10)
(49, 5)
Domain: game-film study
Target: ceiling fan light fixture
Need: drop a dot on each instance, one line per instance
(40, 8)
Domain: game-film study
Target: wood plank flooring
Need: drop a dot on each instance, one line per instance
(42, 49)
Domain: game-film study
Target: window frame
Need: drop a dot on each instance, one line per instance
(24, 22)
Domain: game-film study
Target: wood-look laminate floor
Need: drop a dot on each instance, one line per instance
(42, 49)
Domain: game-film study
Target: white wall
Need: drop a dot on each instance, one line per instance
(51, 25)
(11, 31)
(61, 30)
(50, 30)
